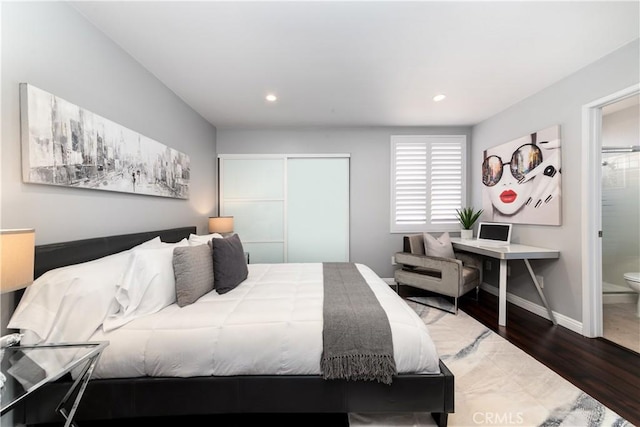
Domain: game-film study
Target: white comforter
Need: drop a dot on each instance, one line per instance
(269, 324)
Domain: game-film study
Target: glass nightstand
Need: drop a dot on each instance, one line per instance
(29, 367)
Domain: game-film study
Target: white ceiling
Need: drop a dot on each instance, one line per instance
(361, 63)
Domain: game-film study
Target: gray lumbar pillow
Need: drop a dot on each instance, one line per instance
(193, 269)
(229, 264)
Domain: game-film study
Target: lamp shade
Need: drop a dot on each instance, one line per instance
(17, 251)
(221, 224)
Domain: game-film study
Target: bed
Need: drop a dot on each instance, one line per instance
(143, 373)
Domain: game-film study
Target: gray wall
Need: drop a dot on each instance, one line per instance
(51, 46)
(371, 242)
(560, 104)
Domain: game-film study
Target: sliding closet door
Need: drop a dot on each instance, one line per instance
(253, 192)
(288, 208)
(317, 209)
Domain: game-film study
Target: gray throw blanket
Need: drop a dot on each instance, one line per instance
(357, 343)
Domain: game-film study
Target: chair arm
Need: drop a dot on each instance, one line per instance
(469, 260)
(449, 268)
(425, 261)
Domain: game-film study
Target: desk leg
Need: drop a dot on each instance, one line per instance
(502, 298)
(539, 289)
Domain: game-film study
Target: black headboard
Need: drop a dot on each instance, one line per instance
(56, 255)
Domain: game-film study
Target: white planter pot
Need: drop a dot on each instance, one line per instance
(466, 234)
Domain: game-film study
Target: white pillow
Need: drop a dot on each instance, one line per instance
(69, 303)
(183, 242)
(153, 243)
(440, 247)
(147, 286)
(195, 239)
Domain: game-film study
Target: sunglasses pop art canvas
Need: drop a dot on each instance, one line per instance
(521, 180)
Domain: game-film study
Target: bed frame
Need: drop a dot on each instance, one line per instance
(112, 399)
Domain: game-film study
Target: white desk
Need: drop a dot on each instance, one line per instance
(504, 253)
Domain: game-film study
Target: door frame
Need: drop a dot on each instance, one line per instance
(592, 209)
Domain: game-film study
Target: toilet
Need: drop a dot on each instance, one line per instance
(633, 280)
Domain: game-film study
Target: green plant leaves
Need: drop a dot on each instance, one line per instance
(468, 216)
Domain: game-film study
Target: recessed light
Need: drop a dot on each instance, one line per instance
(439, 97)
(271, 97)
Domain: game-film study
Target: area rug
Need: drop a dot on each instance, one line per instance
(496, 383)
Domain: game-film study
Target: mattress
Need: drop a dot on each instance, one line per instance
(271, 324)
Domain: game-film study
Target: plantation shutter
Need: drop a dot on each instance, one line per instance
(427, 182)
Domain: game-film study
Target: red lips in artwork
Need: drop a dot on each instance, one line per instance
(508, 196)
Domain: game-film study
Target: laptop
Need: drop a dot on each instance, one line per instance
(494, 234)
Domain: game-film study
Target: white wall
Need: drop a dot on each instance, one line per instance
(371, 242)
(51, 46)
(560, 104)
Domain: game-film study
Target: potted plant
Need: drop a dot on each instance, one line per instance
(467, 217)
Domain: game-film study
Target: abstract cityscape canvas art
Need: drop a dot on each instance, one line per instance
(66, 145)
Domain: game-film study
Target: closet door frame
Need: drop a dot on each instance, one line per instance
(285, 158)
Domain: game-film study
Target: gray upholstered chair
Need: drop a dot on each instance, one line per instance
(452, 277)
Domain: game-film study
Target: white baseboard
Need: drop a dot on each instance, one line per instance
(541, 311)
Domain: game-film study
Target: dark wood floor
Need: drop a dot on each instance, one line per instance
(606, 371)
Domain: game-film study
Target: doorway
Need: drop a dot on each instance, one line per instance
(592, 220)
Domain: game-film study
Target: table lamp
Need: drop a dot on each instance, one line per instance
(17, 255)
(221, 224)
(17, 252)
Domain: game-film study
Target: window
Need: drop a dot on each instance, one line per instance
(428, 182)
